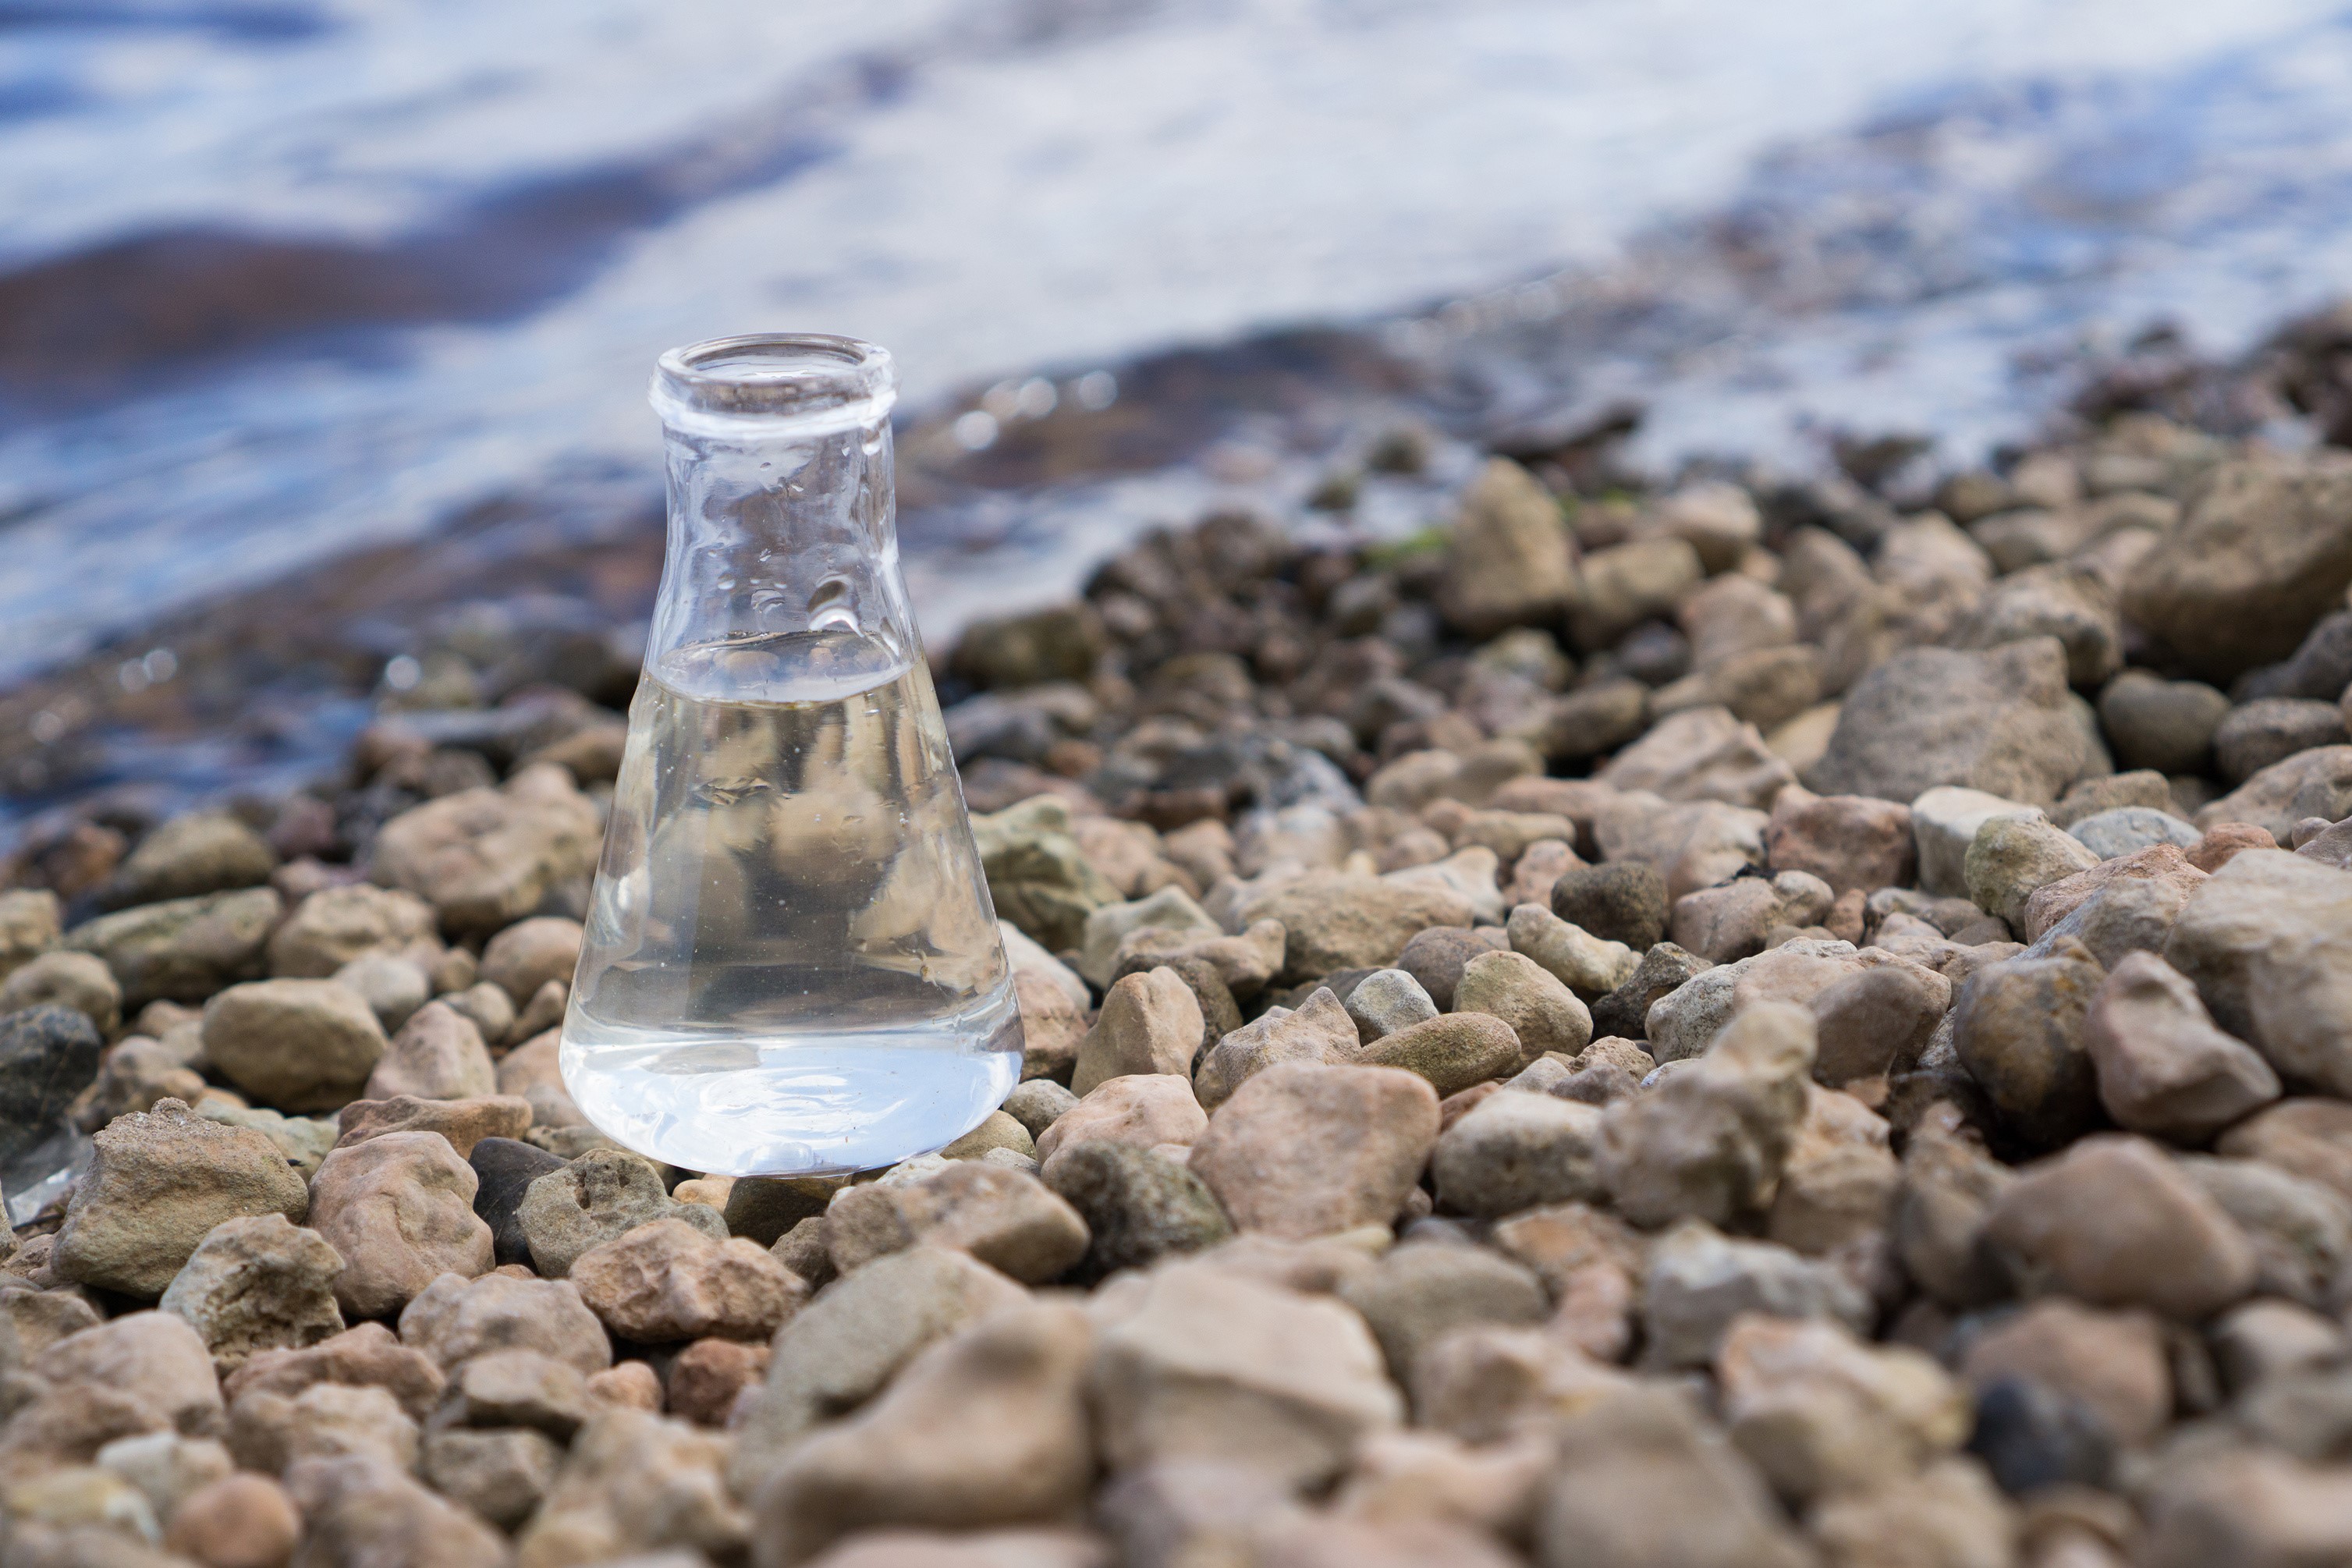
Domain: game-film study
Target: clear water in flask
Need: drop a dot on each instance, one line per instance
(792, 965)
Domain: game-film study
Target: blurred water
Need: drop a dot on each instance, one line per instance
(280, 278)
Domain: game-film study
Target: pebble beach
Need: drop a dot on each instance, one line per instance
(1729, 1021)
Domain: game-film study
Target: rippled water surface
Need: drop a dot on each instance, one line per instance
(279, 279)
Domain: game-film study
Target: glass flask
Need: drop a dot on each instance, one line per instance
(792, 965)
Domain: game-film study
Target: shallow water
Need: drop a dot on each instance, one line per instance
(281, 279)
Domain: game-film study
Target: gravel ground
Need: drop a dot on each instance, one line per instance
(1739, 1025)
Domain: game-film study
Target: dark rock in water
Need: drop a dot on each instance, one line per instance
(1139, 1207)
(506, 1167)
(47, 1055)
(2029, 1436)
(1626, 1010)
(1624, 901)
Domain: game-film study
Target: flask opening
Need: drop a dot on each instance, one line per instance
(813, 381)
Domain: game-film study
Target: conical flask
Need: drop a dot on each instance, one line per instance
(792, 965)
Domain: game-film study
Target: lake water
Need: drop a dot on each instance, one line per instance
(283, 278)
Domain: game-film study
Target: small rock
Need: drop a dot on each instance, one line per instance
(1949, 1513)
(2248, 1506)
(1150, 1023)
(1416, 1294)
(366, 1356)
(2013, 856)
(666, 1280)
(529, 954)
(299, 1044)
(182, 950)
(1197, 1362)
(500, 1475)
(1847, 840)
(2168, 882)
(996, 1131)
(1515, 1150)
(487, 857)
(2116, 1225)
(710, 1375)
(156, 1357)
(437, 1055)
(1007, 1220)
(1998, 721)
(2111, 834)
(65, 979)
(1139, 1207)
(1040, 880)
(1820, 1412)
(1640, 1477)
(1386, 1001)
(400, 1210)
(1037, 1104)
(1664, 970)
(2055, 599)
(455, 1320)
(2166, 725)
(1583, 963)
(1840, 1182)
(1711, 1141)
(1510, 561)
(1319, 1030)
(2317, 783)
(1877, 1020)
(166, 1467)
(242, 1520)
(486, 1007)
(464, 1122)
(31, 921)
(2112, 1363)
(1945, 822)
(1701, 1281)
(1700, 754)
(1170, 911)
(2301, 1228)
(2019, 1029)
(48, 1055)
(1456, 1049)
(202, 852)
(1623, 902)
(1303, 1151)
(504, 1169)
(2163, 1068)
(256, 1284)
(1143, 1110)
(361, 1509)
(2270, 730)
(303, 1140)
(269, 1432)
(520, 1388)
(336, 925)
(393, 988)
(987, 1426)
(1540, 1008)
(158, 1183)
(2267, 941)
(1435, 957)
(533, 1072)
(605, 1193)
(1335, 922)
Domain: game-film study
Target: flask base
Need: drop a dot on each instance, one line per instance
(801, 1106)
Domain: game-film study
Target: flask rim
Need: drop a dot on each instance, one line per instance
(775, 383)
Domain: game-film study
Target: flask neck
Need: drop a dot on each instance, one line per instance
(782, 524)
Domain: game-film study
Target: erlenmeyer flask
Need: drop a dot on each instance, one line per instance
(791, 964)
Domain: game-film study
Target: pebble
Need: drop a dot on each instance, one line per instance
(182, 950)
(1303, 1151)
(48, 1054)
(1820, 1412)
(487, 857)
(2116, 1223)
(1387, 1001)
(166, 1467)
(2019, 1027)
(1877, 1021)
(2300, 1229)
(363, 1356)
(1710, 1142)
(666, 1280)
(987, 1427)
(1700, 1282)
(158, 1183)
(2163, 1067)
(2111, 834)
(1417, 1293)
(1579, 960)
(486, 1007)
(242, 1520)
(1665, 969)
(2267, 941)
(255, 1284)
(437, 1055)
(400, 1210)
(2013, 857)
(529, 954)
(66, 979)
(354, 1506)
(1139, 1207)
(2166, 725)
(710, 1375)
(1849, 841)
(1510, 560)
(1318, 1030)
(455, 1319)
(1143, 1109)
(1540, 1009)
(1007, 1220)
(532, 1072)
(996, 1131)
(269, 1432)
(2163, 865)
(157, 1358)
(298, 1045)
(202, 852)
(2317, 783)
(1037, 1104)
(2270, 730)
(1171, 911)
(1997, 720)
(465, 1123)
(1200, 1363)
(603, 1194)
(501, 1474)
(337, 925)
(1701, 753)
(1515, 1150)
(1624, 901)
(1945, 822)
(504, 1168)
(2113, 1362)
(393, 987)
(1150, 1023)
(1455, 1050)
